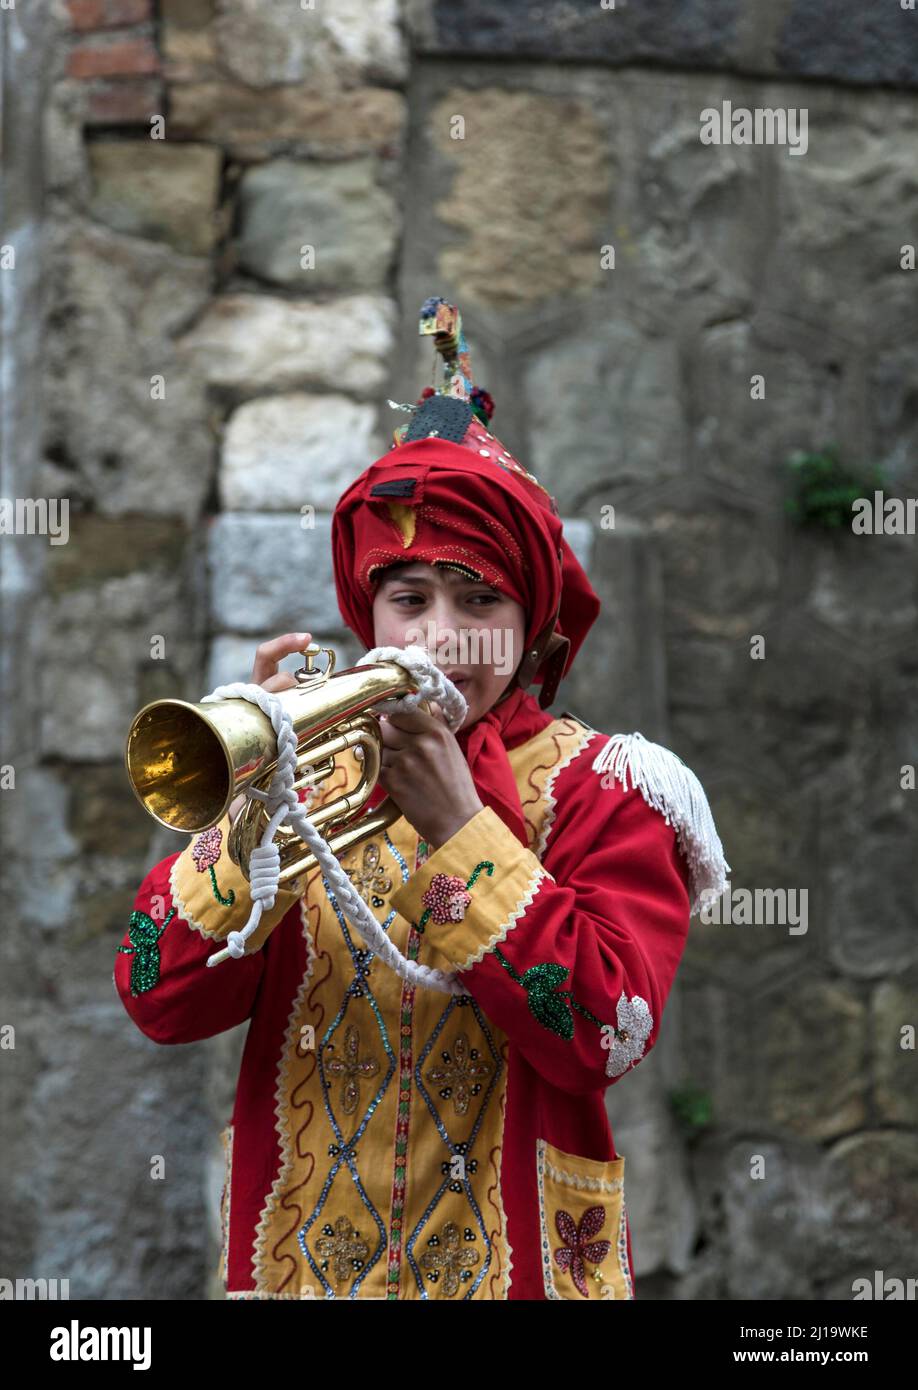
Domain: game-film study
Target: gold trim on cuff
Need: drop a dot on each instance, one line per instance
(498, 899)
(193, 895)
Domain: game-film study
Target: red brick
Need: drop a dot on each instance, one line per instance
(108, 14)
(127, 58)
(86, 14)
(125, 103)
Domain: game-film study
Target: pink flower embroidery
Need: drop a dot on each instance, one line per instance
(205, 852)
(579, 1244)
(447, 898)
(206, 849)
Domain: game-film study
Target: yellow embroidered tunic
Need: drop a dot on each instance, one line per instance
(393, 1142)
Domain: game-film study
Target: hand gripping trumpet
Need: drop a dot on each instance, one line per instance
(187, 762)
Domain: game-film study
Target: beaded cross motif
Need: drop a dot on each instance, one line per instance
(344, 1247)
(371, 881)
(447, 1256)
(352, 1068)
(460, 1074)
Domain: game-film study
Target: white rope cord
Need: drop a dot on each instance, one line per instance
(283, 807)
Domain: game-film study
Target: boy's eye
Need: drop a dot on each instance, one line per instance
(488, 598)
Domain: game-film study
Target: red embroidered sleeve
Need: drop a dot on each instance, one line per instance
(573, 957)
(185, 907)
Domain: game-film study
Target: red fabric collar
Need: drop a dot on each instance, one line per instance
(506, 725)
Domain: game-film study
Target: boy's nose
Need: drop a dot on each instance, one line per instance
(443, 619)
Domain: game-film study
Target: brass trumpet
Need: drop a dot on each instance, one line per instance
(187, 762)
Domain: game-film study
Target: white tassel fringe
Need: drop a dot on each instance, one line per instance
(672, 788)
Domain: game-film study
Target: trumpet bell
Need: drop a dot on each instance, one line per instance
(182, 759)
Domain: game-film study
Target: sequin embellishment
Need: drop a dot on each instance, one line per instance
(579, 1245)
(460, 1075)
(352, 1068)
(548, 1004)
(447, 895)
(144, 935)
(370, 881)
(447, 1256)
(205, 852)
(635, 1023)
(552, 1007)
(447, 898)
(344, 1247)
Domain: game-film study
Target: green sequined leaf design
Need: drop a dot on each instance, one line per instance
(548, 1008)
(548, 1004)
(144, 935)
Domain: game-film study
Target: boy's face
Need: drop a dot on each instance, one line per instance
(473, 633)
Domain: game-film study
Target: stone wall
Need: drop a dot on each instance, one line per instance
(202, 399)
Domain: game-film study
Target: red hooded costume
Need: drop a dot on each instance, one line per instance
(388, 1141)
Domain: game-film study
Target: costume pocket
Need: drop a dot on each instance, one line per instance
(226, 1139)
(583, 1225)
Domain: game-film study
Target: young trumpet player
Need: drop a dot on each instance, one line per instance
(389, 1141)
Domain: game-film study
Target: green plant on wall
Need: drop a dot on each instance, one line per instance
(692, 1108)
(824, 489)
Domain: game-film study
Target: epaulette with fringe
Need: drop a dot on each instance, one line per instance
(670, 787)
